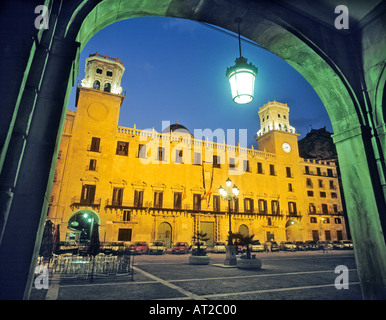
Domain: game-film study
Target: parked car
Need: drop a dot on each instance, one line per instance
(287, 246)
(348, 244)
(157, 247)
(68, 247)
(256, 246)
(113, 248)
(338, 245)
(138, 247)
(324, 245)
(219, 247)
(311, 245)
(273, 244)
(202, 246)
(301, 246)
(180, 247)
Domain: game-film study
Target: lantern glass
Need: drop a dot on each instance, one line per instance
(242, 81)
(228, 182)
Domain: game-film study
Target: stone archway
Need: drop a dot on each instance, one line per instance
(46, 63)
(81, 223)
(165, 234)
(293, 230)
(244, 230)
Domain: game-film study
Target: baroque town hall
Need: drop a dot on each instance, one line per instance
(145, 186)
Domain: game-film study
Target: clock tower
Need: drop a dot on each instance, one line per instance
(276, 135)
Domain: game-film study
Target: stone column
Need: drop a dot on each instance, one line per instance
(30, 164)
(363, 212)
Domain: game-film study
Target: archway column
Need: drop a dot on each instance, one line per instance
(32, 151)
(363, 212)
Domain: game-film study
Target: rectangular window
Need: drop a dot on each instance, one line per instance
(335, 208)
(126, 216)
(275, 207)
(124, 234)
(327, 234)
(246, 166)
(315, 235)
(334, 195)
(307, 168)
(138, 198)
(161, 154)
(197, 158)
(95, 144)
(309, 183)
(330, 173)
(310, 193)
(272, 170)
(248, 205)
(262, 206)
(290, 189)
(288, 172)
(216, 162)
(158, 199)
(339, 235)
(338, 220)
(178, 156)
(234, 205)
(92, 165)
(322, 194)
(197, 202)
(313, 220)
(312, 208)
(122, 148)
(332, 185)
(216, 203)
(292, 208)
(177, 202)
(142, 151)
(324, 208)
(232, 163)
(117, 197)
(88, 194)
(320, 183)
(260, 168)
(318, 171)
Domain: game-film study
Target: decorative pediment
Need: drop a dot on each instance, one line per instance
(89, 179)
(118, 181)
(159, 186)
(139, 184)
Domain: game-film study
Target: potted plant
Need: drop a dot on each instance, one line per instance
(247, 261)
(199, 255)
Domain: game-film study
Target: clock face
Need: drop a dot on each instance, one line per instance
(286, 147)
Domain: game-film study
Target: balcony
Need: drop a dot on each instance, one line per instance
(79, 202)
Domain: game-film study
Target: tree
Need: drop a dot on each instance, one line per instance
(197, 238)
(244, 240)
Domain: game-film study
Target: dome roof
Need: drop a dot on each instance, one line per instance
(176, 127)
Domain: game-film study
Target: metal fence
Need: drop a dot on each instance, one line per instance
(84, 267)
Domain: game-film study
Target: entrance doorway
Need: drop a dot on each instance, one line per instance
(80, 225)
(165, 234)
(293, 230)
(208, 228)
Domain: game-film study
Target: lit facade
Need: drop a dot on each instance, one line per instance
(146, 186)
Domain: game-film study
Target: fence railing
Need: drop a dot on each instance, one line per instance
(83, 267)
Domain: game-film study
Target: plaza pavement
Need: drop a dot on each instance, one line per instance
(284, 276)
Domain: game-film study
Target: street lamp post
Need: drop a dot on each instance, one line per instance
(230, 194)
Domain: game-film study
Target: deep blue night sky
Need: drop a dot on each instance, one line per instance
(175, 70)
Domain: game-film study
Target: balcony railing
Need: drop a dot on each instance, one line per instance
(79, 202)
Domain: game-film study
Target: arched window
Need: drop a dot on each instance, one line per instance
(96, 84)
(107, 87)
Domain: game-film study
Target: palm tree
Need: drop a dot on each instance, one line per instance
(200, 236)
(244, 240)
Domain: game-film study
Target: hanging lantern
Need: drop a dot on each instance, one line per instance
(242, 77)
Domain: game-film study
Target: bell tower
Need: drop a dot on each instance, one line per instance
(276, 135)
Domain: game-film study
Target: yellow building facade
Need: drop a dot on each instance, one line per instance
(141, 185)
